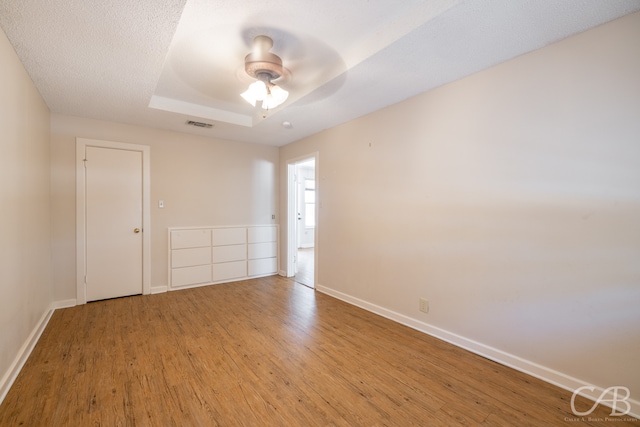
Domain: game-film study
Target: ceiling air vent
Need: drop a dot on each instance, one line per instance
(199, 124)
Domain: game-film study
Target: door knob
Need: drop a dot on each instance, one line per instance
(136, 230)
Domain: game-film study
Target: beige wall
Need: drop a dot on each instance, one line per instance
(203, 182)
(25, 242)
(510, 199)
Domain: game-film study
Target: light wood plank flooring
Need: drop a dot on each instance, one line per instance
(264, 352)
(306, 267)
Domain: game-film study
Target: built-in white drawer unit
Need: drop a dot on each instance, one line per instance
(181, 239)
(229, 253)
(229, 236)
(263, 267)
(184, 276)
(207, 255)
(190, 257)
(229, 270)
(262, 234)
(262, 250)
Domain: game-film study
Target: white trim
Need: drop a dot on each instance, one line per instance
(159, 289)
(291, 220)
(531, 368)
(23, 354)
(63, 304)
(81, 144)
(291, 243)
(316, 243)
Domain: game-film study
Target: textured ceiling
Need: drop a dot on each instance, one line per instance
(160, 64)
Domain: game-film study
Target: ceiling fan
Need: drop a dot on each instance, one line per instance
(266, 67)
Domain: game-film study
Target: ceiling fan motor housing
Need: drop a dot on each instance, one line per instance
(261, 61)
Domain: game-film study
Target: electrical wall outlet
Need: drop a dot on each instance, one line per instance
(424, 305)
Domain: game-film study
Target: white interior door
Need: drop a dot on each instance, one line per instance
(114, 222)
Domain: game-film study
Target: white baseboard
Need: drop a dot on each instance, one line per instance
(23, 354)
(159, 289)
(64, 304)
(541, 372)
(282, 273)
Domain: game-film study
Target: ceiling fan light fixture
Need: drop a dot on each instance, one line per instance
(257, 91)
(276, 96)
(265, 67)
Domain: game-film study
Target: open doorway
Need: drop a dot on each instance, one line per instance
(302, 220)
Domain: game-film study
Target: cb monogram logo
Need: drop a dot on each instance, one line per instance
(619, 396)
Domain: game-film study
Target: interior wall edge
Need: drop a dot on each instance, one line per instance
(543, 373)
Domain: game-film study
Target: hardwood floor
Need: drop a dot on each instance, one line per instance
(263, 352)
(306, 267)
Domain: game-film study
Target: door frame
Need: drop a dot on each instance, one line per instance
(292, 188)
(81, 218)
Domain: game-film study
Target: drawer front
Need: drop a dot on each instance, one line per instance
(181, 239)
(229, 236)
(229, 253)
(229, 270)
(258, 267)
(262, 250)
(190, 275)
(262, 234)
(190, 257)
